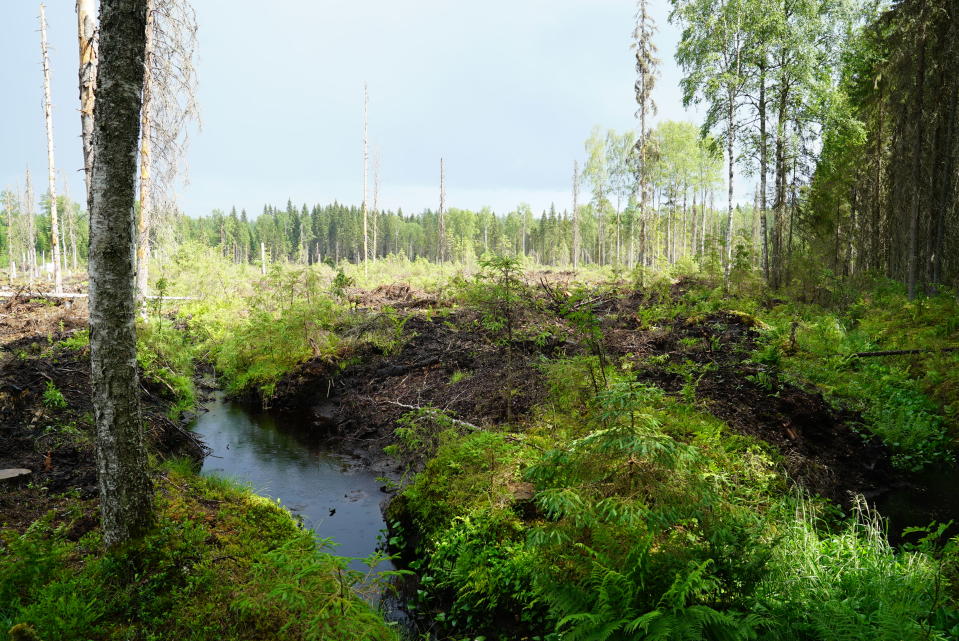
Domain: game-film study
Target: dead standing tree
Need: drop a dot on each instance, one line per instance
(441, 231)
(87, 37)
(366, 163)
(51, 169)
(169, 105)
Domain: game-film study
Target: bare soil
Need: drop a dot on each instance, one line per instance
(451, 363)
(57, 443)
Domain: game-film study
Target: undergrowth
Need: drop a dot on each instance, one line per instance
(221, 563)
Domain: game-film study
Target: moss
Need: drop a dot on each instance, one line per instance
(221, 563)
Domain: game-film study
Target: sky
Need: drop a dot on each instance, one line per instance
(506, 91)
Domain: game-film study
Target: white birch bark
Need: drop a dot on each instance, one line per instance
(125, 486)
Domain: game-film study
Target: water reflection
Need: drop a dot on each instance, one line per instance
(335, 497)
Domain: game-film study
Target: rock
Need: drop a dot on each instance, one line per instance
(14, 473)
(522, 491)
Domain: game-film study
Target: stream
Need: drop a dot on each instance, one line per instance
(336, 496)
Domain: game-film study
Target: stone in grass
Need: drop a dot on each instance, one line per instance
(13, 474)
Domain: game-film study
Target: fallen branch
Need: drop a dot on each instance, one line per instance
(907, 352)
(429, 411)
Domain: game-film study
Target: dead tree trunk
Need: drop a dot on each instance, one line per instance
(125, 487)
(376, 200)
(86, 34)
(143, 224)
(441, 240)
(31, 229)
(366, 162)
(51, 168)
(575, 216)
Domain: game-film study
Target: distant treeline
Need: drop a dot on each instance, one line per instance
(331, 233)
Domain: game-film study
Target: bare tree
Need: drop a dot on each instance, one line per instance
(366, 163)
(51, 169)
(31, 258)
(125, 487)
(169, 105)
(376, 198)
(441, 232)
(575, 215)
(8, 205)
(86, 35)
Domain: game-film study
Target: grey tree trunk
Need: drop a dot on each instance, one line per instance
(366, 158)
(86, 35)
(143, 224)
(31, 230)
(376, 200)
(576, 250)
(51, 168)
(730, 149)
(442, 215)
(12, 265)
(125, 486)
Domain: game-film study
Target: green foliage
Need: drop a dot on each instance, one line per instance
(220, 564)
(52, 397)
(166, 358)
(908, 402)
(481, 582)
(290, 320)
(77, 341)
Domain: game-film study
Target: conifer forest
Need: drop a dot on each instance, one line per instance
(580, 320)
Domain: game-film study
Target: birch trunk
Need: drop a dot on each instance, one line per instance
(125, 486)
(730, 149)
(763, 171)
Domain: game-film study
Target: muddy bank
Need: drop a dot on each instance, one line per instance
(445, 363)
(46, 412)
(449, 362)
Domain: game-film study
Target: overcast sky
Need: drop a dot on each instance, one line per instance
(505, 90)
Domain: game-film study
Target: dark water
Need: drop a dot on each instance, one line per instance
(932, 495)
(336, 497)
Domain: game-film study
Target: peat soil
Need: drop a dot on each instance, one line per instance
(54, 439)
(451, 362)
